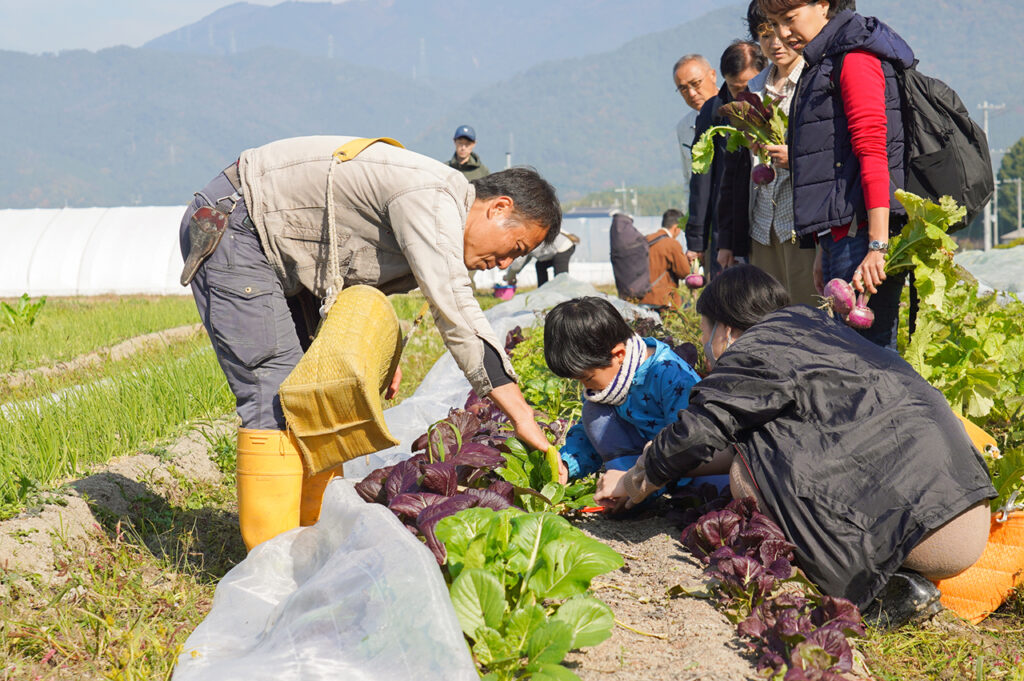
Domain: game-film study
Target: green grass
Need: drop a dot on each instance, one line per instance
(45, 440)
(69, 327)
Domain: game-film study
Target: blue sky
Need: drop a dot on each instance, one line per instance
(53, 25)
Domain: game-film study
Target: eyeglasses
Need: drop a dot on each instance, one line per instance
(693, 85)
(765, 31)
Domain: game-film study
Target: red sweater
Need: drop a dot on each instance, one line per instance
(862, 87)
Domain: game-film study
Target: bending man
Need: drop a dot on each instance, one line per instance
(402, 221)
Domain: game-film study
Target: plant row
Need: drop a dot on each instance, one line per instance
(518, 573)
(51, 438)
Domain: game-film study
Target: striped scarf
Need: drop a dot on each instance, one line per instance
(616, 392)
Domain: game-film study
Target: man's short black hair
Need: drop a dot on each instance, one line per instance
(741, 296)
(740, 56)
(671, 218)
(580, 334)
(533, 197)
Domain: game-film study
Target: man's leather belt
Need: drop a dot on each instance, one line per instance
(231, 172)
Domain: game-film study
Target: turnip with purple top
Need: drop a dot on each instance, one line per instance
(694, 281)
(762, 174)
(861, 316)
(840, 296)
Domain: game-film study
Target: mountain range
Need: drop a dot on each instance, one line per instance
(581, 89)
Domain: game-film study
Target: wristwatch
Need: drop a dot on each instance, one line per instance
(876, 245)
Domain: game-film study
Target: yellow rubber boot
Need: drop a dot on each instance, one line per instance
(269, 484)
(313, 494)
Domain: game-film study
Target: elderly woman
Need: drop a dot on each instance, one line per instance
(856, 457)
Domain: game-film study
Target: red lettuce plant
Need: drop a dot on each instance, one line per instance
(797, 636)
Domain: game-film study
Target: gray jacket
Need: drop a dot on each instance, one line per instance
(400, 219)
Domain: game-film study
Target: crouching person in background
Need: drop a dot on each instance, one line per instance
(858, 459)
(632, 386)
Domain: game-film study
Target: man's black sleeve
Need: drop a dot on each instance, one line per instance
(700, 188)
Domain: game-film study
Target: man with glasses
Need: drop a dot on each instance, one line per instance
(696, 82)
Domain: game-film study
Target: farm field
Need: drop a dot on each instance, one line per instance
(138, 455)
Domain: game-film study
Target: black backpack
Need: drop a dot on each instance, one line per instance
(630, 255)
(946, 153)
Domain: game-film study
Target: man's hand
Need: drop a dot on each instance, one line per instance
(694, 255)
(511, 401)
(725, 258)
(396, 381)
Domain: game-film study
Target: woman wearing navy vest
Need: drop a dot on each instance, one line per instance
(846, 146)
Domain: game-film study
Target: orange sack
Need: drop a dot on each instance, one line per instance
(979, 590)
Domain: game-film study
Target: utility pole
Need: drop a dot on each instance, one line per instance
(508, 154)
(990, 216)
(624, 191)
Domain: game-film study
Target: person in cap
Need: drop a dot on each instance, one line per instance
(400, 221)
(465, 159)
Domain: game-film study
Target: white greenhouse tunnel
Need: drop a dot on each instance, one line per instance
(90, 251)
(135, 250)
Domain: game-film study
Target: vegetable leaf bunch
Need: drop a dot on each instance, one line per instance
(520, 586)
(755, 122)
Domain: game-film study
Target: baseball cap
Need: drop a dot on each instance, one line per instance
(465, 131)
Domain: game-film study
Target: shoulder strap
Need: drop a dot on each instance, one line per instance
(346, 152)
(657, 239)
(349, 150)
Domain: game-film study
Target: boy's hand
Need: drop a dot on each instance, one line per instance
(563, 472)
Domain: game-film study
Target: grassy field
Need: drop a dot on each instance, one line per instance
(68, 327)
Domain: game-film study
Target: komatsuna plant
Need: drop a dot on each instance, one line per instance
(520, 587)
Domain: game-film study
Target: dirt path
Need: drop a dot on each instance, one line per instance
(114, 353)
(657, 638)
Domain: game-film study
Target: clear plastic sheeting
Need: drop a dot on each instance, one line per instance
(445, 387)
(356, 596)
(1001, 269)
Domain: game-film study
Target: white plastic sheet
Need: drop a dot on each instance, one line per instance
(445, 386)
(356, 596)
(1001, 269)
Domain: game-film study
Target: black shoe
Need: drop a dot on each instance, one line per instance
(907, 597)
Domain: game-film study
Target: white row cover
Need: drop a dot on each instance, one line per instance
(90, 251)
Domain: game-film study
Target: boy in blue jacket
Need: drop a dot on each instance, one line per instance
(632, 386)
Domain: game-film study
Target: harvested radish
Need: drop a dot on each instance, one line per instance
(694, 281)
(840, 295)
(762, 174)
(861, 316)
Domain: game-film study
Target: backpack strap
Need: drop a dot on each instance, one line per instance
(651, 243)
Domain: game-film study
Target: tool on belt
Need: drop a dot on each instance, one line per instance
(207, 225)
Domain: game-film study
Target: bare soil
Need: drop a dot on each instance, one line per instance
(657, 638)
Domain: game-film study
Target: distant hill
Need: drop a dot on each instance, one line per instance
(449, 41)
(149, 126)
(127, 126)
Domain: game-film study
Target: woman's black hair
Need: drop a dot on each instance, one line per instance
(780, 6)
(740, 56)
(756, 20)
(579, 336)
(741, 296)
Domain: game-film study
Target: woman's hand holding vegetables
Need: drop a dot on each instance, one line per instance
(870, 273)
(779, 154)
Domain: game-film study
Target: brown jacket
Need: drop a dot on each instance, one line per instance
(669, 266)
(399, 217)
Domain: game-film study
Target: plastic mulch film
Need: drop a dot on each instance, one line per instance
(445, 386)
(1001, 269)
(355, 596)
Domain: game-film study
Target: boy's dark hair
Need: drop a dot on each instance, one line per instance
(671, 218)
(741, 296)
(533, 197)
(579, 336)
(781, 6)
(740, 56)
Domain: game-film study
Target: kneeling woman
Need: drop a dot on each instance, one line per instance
(857, 458)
